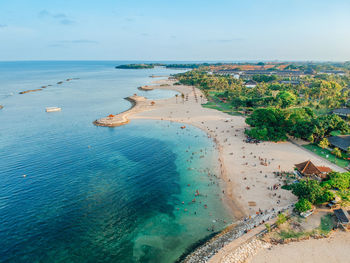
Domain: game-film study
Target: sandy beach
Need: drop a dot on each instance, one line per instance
(246, 179)
(332, 250)
(246, 169)
(248, 183)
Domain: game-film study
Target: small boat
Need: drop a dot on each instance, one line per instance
(52, 109)
(183, 127)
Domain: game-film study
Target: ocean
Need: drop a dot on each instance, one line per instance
(75, 192)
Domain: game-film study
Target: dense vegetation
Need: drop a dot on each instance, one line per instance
(312, 192)
(176, 66)
(328, 92)
(273, 124)
(136, 66)
(281, 106)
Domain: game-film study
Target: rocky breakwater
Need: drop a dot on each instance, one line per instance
(27, 91)
(145, 88)
(245, 251)
(203, 253)
(138, 104)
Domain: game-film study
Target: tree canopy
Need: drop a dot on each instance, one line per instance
(274, 124)
(267, 124)
(337, 180)
(303, 205)
(312, 191)
(285, 99)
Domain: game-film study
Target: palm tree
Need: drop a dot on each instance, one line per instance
(176, 97)
(183, 97)
(324, 143)
(336, 152)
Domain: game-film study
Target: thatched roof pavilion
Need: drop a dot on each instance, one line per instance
(308, 169)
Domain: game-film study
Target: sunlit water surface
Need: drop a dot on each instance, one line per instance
(74, 192)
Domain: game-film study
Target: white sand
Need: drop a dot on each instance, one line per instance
(330, 250)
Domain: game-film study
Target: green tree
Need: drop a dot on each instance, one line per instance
(312, 191)
(268, 227)
(324, 125)
(303, 205)
(311, 138)
(268, 124)
(324, 143)
(336, 152)
(299, 120)
(264, 78)
(285, 99)
(337, 180)
(281, 218)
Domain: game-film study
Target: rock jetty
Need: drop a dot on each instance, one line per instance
(138, 104)
(31, 90)
(203, 253)
(145, 88)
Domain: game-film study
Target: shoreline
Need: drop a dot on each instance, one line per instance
(142, 104)
(246, 182)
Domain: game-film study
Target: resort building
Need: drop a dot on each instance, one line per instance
(333, 72)
(341, 141)
(343, 113)
(342, 217)
(249, 73)
(290, 82)
(309, 169)
(251, 84)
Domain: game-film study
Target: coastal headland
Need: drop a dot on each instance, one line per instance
(250, 185)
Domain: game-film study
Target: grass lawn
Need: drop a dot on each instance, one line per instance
(215, 103)
(292, 234)
(326, 224)
(298, 228)
(336, 133)
(324, 152)
(322, 111)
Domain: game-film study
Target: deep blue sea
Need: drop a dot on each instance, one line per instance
(74, 192)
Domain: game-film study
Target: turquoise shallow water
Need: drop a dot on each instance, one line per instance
(96, 194)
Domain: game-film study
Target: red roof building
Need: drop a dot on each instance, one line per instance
(309, 169)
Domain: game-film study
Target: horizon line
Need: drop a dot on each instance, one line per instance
(191, 61)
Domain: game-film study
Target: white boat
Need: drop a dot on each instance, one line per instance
(52, 109)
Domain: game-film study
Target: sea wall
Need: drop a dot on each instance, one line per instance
(203, 253)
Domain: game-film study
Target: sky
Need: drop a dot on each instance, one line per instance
(184, 30)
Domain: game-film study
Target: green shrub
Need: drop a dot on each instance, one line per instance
(281, 218)
(303, 205)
